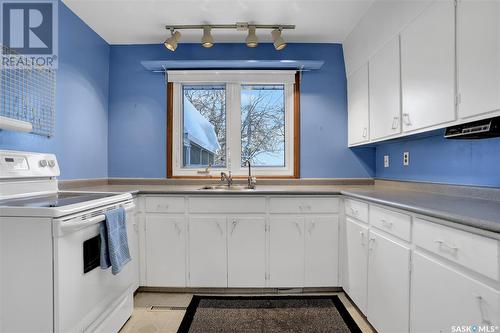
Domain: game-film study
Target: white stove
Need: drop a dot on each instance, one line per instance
(50, 279)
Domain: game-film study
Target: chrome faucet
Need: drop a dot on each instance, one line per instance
(226, 177)
(252, 181)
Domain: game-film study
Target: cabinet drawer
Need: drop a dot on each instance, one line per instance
(392, 222)
(475, 252)
(304, 205)
(219, 205)
(165, 204)
(356, 209)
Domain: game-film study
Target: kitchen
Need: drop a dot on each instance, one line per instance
(310, 166)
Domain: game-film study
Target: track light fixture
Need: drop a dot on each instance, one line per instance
(171, 42)
(207, 40)
(278, 41)
(252, 40)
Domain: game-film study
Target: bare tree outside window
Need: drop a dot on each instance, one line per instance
(263, 125)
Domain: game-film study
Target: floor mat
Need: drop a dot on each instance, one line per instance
(270, 314)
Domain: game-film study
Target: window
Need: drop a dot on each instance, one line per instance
(221, 119)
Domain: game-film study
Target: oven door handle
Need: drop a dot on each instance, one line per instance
(63, 227)
(66, 227)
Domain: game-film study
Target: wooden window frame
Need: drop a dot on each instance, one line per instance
(296, 136)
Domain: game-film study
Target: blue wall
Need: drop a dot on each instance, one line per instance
(137, 109)
(434, 159)
(80, 139)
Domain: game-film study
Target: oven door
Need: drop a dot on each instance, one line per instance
(83, 292)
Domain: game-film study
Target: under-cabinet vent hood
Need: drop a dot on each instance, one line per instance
(481, 129)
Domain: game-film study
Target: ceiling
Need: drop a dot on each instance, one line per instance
(143, 21)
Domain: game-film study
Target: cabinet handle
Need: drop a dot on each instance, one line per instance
(311, 228)
(179, 230)
(370, 241)
(365, 132)
(406, 119)
(299, 229)
(136, 227)
(362, 236)
(355, 212)
(220, 229)
(482, 310)
(386, 224)
(235, 223)
(395, 121)
(442, 244)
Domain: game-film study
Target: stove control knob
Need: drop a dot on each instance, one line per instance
(52, 163)
(43, 163)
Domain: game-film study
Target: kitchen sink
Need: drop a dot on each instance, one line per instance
(227, 188)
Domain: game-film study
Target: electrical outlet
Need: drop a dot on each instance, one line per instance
(406, 158)
(386, 161)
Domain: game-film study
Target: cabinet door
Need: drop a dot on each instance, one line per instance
(207, 252)
(356, 274)
(388, 284)
(165, 251)
(385, 101)
(321, 251)
(443, 298)
(357, 95)
(286, 251)
(478, 33)
(428, 67)
(246, 252)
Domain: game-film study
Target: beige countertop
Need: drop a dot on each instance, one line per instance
(465, 209)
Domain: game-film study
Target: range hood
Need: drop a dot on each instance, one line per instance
(481, 129)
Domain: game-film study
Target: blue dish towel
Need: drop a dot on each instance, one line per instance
(114, 242)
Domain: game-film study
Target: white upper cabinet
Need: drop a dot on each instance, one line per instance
(478, 46)
(385, 92)
(357, 95)
(428, 68)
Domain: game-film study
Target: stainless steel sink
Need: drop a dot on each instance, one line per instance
(227, 188)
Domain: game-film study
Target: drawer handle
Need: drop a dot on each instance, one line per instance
(354, 211)
(159, 206)
(443, 244)
(481, 304)
(386, 224)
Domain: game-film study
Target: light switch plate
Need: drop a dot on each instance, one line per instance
(386, 161)
(406, 158)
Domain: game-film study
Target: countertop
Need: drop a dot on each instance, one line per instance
(475, 212)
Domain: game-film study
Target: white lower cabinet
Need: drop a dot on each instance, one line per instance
(286, 251)
(442, 298)
(165, 251)
(207, 251)
(246, 251)
(356, 274)
(321, 251)
(388, 284)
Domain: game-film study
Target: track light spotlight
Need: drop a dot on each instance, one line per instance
(171, 42)
(279, 42)
(252, 40)
(207, 40)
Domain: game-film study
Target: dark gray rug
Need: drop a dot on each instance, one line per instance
(269, 314)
